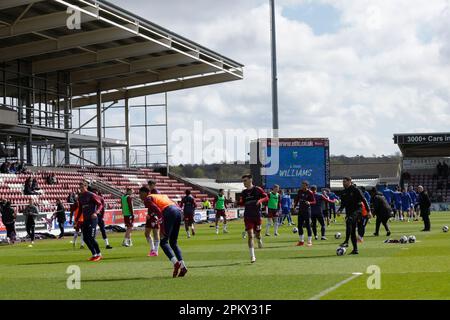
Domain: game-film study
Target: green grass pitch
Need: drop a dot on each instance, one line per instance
(219, 267)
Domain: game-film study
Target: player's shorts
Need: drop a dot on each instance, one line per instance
(152, 222)
(188, 218)
(285, 211)
(253, 223)
(220, 213)
(406, 208)
(77, 226)
(398, 206)
(128, 221)
(273, 213)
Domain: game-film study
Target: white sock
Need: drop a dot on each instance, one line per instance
(252, 252)
(155, 245)
(107, 241)
(224, 227)
(302, 238)
(75, 236)
(183, 264)
(276, 227)
(188, 234)
(82, 240)
(174, 260)
(309, 239)
(268, 226)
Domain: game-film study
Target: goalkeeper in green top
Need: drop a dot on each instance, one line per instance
(273, 208)
(220, 206)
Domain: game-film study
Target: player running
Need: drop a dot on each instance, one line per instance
(152, 226)
(219, 206)
(188, 205)
(90, 206)
(101, 222)
(304, 200)
(169, 215)
(273, 210)
(252, 198)
(128, 216)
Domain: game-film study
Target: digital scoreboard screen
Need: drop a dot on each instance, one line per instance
(288, 162)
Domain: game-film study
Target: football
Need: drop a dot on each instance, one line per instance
(412, 239)
(404, 239)
(341, 251)
(295, 230)
(337, 235)
(445, 228)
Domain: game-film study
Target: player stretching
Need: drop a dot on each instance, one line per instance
(101, 222)
(273, 209)
(220, 205)
(90, 206)
(188, 206)
(252, 198)
(304, 199)
(152, 225)
(169, 215)
(128, 217)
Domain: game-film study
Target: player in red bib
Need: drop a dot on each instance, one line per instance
(252, 198)
(169, 215)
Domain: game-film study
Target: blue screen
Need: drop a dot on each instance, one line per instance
(297, 164)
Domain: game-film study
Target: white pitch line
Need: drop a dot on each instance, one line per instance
(327, 291)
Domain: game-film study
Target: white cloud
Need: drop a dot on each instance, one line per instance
(376, 76)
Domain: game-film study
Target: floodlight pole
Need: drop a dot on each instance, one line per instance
(275, 124)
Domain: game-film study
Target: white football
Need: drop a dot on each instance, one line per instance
(341, 251)
(338, 235)
(295, 230)
(445, 228)
(404, 239)
(412, 239)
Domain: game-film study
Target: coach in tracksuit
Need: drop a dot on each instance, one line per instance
(381, 210)
(351, 200)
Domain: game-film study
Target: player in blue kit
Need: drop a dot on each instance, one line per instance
(388, 194)
(332, 212)
(414, 197)
(317, 212)
(406, 204)
(398, 204)
(286, 205)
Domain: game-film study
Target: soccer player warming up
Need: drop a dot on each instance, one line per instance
(304, 199)
(170, 216)
(101, 222)
(77, 217)
(252, 198)
(90, 206)
(152, 226)
(317, 213)
(352, 199)
(188, 206)
(128, 217)
(220, 206)
(273, 209)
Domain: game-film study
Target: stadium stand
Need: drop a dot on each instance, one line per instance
(68, 178)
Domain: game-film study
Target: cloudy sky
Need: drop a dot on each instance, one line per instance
(356, 71)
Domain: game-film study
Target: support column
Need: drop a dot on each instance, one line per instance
(127, 132)
(29, 147)
(67, 150)
(99, 129)
(167, 136)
